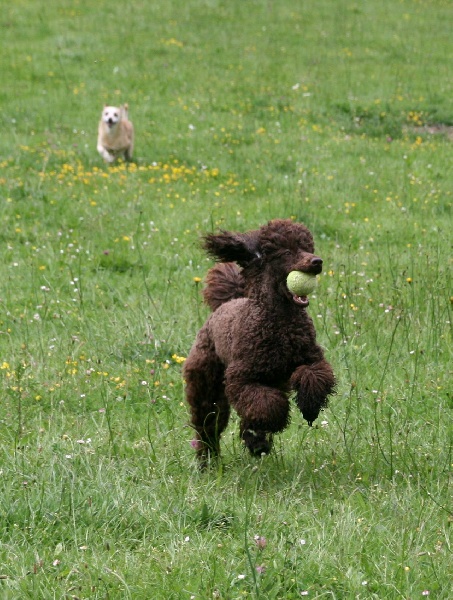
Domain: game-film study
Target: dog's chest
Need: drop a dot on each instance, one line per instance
(285, 346)
(110, 136)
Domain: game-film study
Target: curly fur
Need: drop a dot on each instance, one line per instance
(259, 344)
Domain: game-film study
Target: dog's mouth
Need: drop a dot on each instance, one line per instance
(301, 300)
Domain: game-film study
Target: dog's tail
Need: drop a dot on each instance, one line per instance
(223, 282)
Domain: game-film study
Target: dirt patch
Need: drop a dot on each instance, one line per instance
(439, 129)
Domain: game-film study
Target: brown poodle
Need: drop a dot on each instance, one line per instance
(259, 343)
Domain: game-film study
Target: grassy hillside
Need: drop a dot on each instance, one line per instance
(334, 113)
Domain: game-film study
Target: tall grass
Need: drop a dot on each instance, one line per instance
(244, 111)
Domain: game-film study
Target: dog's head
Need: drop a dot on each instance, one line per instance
(111, 115)
(267, 256)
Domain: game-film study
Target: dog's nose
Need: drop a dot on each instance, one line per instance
(316, 264)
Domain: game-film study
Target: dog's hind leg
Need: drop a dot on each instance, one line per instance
(205, 393)
(263, 411)
(208, 406)
(128, 153)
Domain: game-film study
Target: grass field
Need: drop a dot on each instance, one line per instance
(336, 113)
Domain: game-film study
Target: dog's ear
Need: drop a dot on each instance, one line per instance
(241, 248)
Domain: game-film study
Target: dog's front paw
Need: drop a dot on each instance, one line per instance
(310, 413)
(308, 406)
(106, 155)
(257, 442)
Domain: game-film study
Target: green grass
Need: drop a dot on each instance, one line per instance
(244, 111)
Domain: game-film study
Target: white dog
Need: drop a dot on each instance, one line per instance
(115, 134)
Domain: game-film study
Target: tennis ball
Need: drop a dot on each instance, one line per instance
(300, 283)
